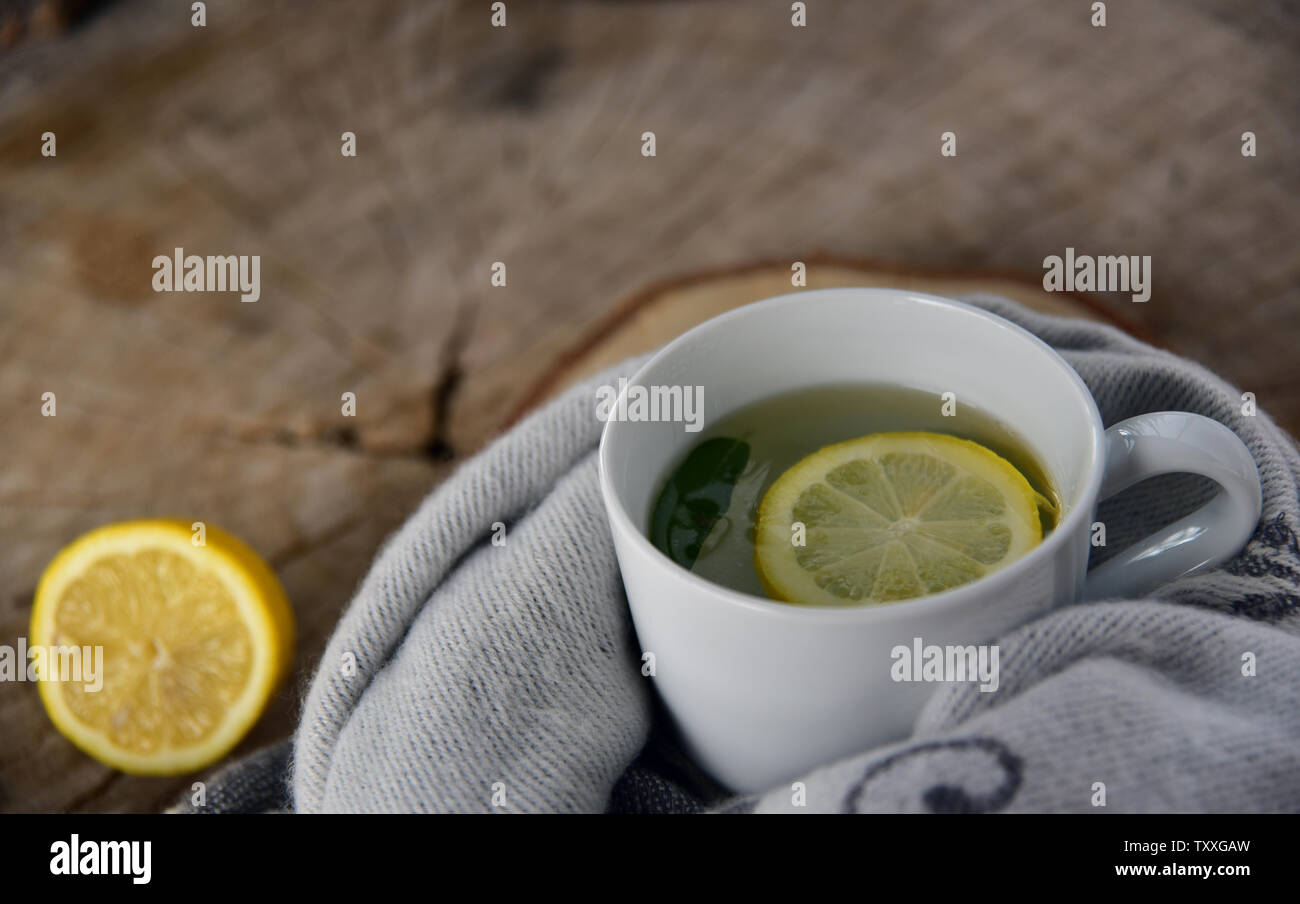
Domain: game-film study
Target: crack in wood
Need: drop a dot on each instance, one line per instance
(343, 439)
(439, 448)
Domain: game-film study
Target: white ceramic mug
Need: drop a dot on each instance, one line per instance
(763, 691)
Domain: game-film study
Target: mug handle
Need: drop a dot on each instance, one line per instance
(1174, 442)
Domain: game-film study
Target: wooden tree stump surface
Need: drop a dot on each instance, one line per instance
(661, 312)
(523, 145)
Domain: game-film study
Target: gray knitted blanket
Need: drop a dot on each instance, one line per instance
(477, 676)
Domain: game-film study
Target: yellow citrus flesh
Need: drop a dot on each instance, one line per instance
(891, 516)
(195, 640)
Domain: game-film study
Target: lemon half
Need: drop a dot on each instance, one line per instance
(195, 639)
(892, 516)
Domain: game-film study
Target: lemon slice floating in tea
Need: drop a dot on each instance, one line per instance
(194, 639)
(892, 516)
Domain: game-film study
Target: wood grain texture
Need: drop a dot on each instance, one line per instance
(522, 145)
(39, 20)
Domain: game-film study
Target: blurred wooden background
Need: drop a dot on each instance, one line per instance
(522, 145)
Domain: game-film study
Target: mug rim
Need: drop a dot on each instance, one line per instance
(918, 606)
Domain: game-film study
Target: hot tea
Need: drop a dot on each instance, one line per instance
(853, 494)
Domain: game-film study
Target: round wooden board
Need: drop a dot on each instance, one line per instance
(653, 317)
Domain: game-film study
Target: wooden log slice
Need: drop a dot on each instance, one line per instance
(650, 318)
